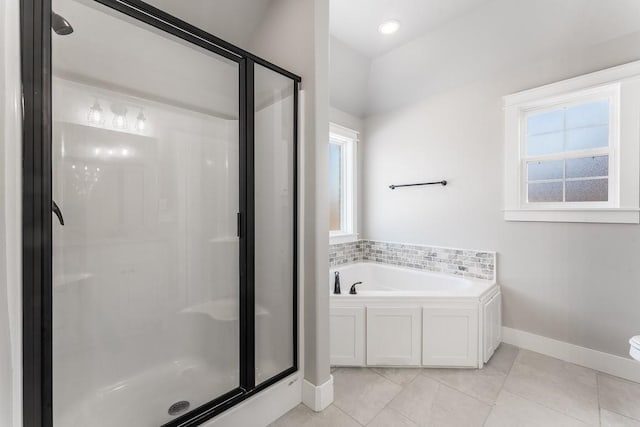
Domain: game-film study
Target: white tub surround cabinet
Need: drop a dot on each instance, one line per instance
(386, 325)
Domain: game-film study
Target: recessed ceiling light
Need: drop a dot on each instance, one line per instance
(389, 27)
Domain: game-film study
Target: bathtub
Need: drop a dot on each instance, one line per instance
(406, 317)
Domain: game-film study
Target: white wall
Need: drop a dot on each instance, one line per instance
(295, 35)
(573, 282)
(348, 78)
(10, 207)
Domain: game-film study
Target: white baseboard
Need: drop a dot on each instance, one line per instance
(263, 408)
(318, 397)
(594, 359)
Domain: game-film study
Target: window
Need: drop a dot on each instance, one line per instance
(342, 183)
(571, 149)
(568, 153)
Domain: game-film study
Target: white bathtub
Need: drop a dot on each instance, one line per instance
(391, 281)
(407, 317)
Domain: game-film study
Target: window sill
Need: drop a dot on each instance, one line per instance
(607, 216)
(337, 237)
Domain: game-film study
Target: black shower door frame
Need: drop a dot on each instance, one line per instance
(35, 16)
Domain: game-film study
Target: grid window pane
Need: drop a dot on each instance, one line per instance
(591, 114)
(589, 190)
(586, 138)
(545, 192)
(552, 121)
(537, 171)
(588, 167)
(580, 127)
(547, 143)
(335, 187)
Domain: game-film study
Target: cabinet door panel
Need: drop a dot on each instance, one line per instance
(347, 336)
(393, 336)
(492, 326)
(450, 336)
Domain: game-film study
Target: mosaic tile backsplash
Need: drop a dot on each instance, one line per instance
(460, 262)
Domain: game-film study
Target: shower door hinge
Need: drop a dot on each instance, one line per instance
(239, 217)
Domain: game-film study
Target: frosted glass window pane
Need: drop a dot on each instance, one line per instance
(545, 192)
(586, 138)
(590, 190)
(545, 170)
(591, 114)
(274, 230)
(588, 167)
(545, 144)
(335, 188)
(552, 121)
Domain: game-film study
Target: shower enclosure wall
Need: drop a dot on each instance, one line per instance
(159, 218)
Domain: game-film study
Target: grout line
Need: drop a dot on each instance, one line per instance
(347, 414)
(549, 407)
(407, 368)
(402, 387)
(493, 407)
(386, 404)
(387, 407)
(441, 382)
(622, 415)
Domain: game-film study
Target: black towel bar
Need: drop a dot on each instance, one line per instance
(394, 186)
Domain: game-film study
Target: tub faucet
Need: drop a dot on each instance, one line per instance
(352, 291)
(336, 283)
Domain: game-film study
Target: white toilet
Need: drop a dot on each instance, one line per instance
(634, 351)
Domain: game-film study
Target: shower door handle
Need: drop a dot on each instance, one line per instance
(56, 210)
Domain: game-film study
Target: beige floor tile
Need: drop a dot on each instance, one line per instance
(503, 358)
(301, 416)
(611, 419)
(416, 399)
(556, 384)
(620, 396)
(511, 410)
(401, 376)
(516, 388)
(483, 384)
(391, 418)
(362, 393)
(455, 409)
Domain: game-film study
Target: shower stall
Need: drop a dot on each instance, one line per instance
(159, 218)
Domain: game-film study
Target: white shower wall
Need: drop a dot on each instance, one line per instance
(148, 256)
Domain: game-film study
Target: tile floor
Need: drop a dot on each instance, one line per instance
(516, 388)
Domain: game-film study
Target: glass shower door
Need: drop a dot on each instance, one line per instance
(146, 177)
(275, 248)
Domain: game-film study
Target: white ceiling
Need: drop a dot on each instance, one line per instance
(355, 22)
(231, 20)
(493, 37)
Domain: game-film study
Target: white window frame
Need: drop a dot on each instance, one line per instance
(621, 86)
(348, 141)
